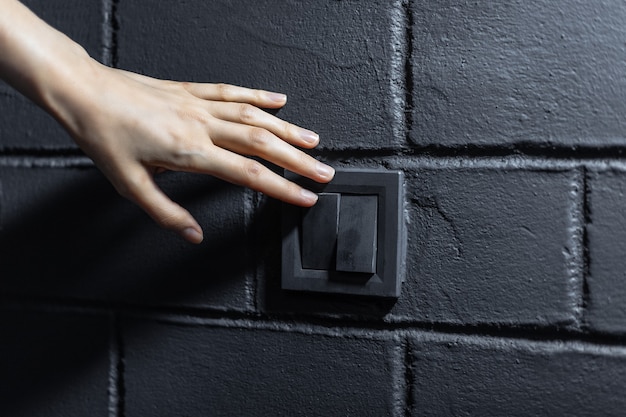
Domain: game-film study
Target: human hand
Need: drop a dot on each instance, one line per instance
(134, 127)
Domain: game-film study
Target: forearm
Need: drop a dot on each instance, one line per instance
(38, 60)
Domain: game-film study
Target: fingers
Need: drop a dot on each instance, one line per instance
(232, 93)
(248, 114)
(248, 140)
(247, 172)
(141, 189)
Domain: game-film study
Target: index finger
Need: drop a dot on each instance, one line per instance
(233, 93)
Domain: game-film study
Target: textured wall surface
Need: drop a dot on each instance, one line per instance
(507, 119)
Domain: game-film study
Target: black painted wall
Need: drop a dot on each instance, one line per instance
(507, 119)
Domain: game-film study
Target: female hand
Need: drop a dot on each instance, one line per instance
(134, 127)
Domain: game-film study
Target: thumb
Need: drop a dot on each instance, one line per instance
(144, 192)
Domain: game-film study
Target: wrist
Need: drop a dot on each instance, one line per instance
(63, 87)
(41, 62)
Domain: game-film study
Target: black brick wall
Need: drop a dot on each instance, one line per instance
(507, 121)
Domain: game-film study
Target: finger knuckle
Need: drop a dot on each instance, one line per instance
(252, 172)
(175, 141)
(177, 146)
(224, 91)
(183, 151)
(288, 130)
(259, 139)
(247, 113)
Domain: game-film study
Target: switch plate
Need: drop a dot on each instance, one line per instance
(366, 255)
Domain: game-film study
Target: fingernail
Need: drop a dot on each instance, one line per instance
(192, 235)
(277, 97)
(325, 171)
(308, 136)
(308, 196)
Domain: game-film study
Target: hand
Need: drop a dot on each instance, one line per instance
(134, 127)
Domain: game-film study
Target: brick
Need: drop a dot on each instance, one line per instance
(501, 377)
(194, 370)
(66, 233)
(333, 59)
(53, 364)
(489, 246)
(518, 72)
(22, 123)
(606, 232)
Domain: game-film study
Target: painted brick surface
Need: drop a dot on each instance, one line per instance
(66, 233)
(513, 302)
(22, 123)
(332, 59)
(194, 371)
(461, 376)
(524, 73)
(53, 365)
(606, 231)
(491, 246)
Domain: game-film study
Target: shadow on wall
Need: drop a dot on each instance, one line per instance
(53, 364)
(83, 241)
(73, 237)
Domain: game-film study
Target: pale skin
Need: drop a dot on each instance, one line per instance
(134, 127)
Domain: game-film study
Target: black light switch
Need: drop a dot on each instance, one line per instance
(352, 240)
(319, 232)
(356, 236)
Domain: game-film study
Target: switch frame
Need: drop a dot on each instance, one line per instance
(386, 281)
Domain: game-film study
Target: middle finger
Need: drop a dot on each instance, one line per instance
(251, 140)
(253, 116)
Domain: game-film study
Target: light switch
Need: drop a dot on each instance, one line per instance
(352, 241)
(319, 232)
(356, 236)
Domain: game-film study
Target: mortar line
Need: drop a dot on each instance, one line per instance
(116, 387)
(400, 96)
(252, 271)
(586, 257)
(574, 254)
(110, 27)
(463, 152)
(408, 378)
(473, 151)
(398, 366)
(408, 71)
(329, 326)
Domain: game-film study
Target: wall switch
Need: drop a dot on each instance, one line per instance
(319, 232)
(351, 241)
(357, 234)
